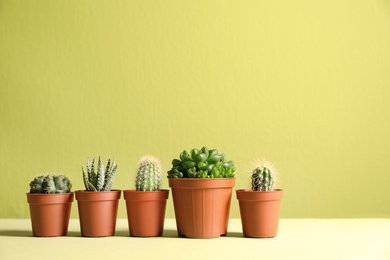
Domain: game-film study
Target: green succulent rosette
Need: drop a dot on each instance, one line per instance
(203, 163)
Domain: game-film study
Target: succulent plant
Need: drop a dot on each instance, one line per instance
(263, 179)
(50, 184)
(102, 179)
(201, 163)
(148, 174)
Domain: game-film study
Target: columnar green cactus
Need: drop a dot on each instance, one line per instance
(262, 179)
(50, 184)
(102, 179)
(148, 175)
(201, 163)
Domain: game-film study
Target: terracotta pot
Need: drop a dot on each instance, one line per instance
(50, 213)
(146, 212)
(259, 212)
(98, 212)
(202, 206)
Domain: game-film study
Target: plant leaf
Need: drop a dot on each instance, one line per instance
(88, 186)
(109, 179)
(91, 174)
(100, 176)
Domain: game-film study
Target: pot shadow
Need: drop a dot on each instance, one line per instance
(170, 233)
(16, 233)
(234, 234)
(25, 233)
(73, 234)
(122, 233)
(77, 234)
(166, 234)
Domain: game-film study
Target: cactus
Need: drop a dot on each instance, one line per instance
(201, 163)
(262, 179)
(148, 174)
(100, 180)
(62, 183)
(50, 184)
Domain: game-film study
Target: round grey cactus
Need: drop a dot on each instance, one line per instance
(50, 184)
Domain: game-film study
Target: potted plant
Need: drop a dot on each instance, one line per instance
(260, 205)
(146, 204)
(50, 201)
(98, 204)
(201, 182)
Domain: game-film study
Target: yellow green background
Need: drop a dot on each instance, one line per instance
(304, 84)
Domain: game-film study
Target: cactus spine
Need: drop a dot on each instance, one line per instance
(100, 180)
(148, 175)
(262, 179)
(50, 184)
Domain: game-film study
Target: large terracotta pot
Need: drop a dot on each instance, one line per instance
(97, 212)
(202, 206)
(50, 213)
(259, 212)
(146, 212)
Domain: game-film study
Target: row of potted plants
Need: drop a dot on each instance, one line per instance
(201, 182)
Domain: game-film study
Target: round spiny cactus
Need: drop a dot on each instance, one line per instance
(148, 174)
(262, 179)
(50, 184)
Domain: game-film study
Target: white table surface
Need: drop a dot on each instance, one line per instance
(297, 239)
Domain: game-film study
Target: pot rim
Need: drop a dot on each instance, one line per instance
(250, 195)
(84, 195)
(45, 194)
(201, 183)
(88, 191)
(130, 195)
(50, 198)
(133, 190)
(249, 190)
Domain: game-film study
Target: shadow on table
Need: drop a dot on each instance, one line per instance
(166, 233)
(16, 233)
(169, 233)
(74, 234)
(25, 233)
(234, 234)
(172, 233)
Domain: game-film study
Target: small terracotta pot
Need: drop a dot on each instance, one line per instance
(98, 212)
(202, 206)
(146, 212)
(259, 212)
(50, 213)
